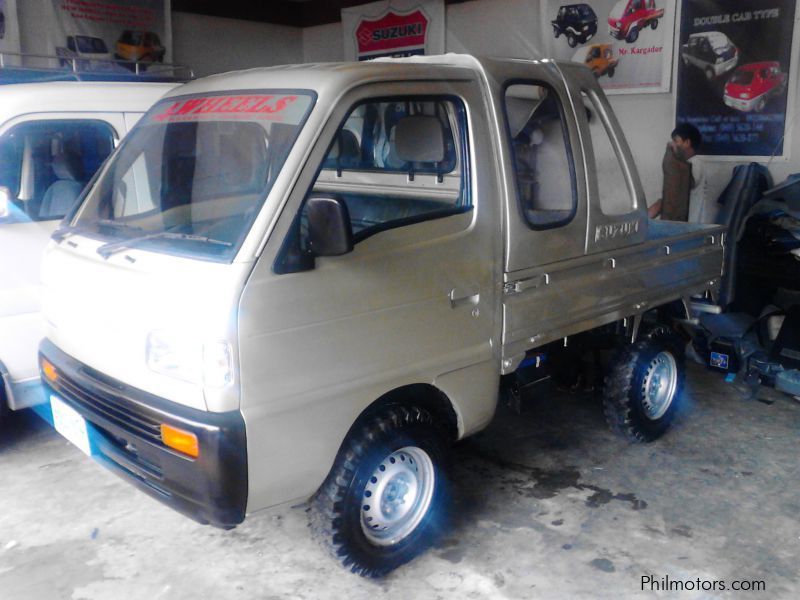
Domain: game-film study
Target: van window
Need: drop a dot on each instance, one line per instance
(542, 157)
(616, 194)
(398, 161)
(45, 164)
(193, 174)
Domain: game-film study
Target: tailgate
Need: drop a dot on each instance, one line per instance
(564, 298)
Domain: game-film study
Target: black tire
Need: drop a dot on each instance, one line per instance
(556, 32)
(611, 71)
(664, 334)
(760, 105)
(339, 514)
(572, 40)
(710, 74)
(624, 402)
(633, 35)
(3, 404)
(654, 24)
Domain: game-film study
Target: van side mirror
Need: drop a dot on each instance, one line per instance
(5, 202)
(330, 232)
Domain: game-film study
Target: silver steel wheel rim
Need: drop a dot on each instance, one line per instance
(397, 496)
(659, 385)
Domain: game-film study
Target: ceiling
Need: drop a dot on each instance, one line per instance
(296, 13)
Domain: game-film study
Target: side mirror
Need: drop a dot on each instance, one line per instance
(329, 230)
(5, 202)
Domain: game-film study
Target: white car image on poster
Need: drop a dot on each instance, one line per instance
(733, 68)
(626, 43)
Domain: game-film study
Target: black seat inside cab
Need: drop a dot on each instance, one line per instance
(419, 142)
(64, 191)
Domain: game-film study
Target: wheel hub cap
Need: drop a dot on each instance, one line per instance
(659, 385)
(397, 496)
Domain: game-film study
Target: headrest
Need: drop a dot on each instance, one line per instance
(345, 150)
(67, 166)
(419, 138)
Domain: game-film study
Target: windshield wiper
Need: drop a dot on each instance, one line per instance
(107, 250)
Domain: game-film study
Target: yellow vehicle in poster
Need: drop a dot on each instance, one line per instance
(599, 58)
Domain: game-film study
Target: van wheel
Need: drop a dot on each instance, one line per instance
(654, 24)
(633, 35)
(611, 71)
(761, 104)
(710, 73)
(556, 32)
(572, 40)
(643, 389)
(383, 501)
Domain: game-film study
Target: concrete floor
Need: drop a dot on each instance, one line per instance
(548, 504)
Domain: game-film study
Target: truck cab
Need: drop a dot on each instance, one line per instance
(752, 86)
(577, 22)
(629, 17)
(598, 58)
(53, 138)
(85, 52)
(711, 52)
(304, 283)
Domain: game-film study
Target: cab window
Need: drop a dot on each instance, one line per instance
(45, 164)
(542, 158)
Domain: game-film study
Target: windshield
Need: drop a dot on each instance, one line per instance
(586, 12)
(618, 10)
(742, 78)
(191, 177)
(91, 45)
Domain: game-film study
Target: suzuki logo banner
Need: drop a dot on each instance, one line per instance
(396, 28)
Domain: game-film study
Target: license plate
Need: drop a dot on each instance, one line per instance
(70, 424)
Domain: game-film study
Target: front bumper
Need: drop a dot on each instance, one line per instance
(616, 33)
(125, 426)
(742, 105)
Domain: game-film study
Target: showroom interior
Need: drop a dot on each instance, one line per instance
(399, 299)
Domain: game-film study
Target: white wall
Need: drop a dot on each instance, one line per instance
(323, 43)
(215, 45)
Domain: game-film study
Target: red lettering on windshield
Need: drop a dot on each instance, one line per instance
(226, 105)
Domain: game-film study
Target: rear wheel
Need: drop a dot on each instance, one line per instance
(611, 71)
(643, 390)
(654, 24)
(383, 501)
(633, 35)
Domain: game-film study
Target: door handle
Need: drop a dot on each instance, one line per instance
(464, 297)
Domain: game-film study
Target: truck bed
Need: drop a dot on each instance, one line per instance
(546, 303)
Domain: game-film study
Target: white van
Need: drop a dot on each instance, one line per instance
(53, 137)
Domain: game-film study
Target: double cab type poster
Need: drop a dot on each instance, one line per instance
(396, 28)
(733, 71)
(627, 44)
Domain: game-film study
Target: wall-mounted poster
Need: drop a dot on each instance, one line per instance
(109, 34)
(733, 71)
(9, 31)
(626, 43)
(393, 28)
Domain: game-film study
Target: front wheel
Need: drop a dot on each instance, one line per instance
(643, 390)
(572, 40)
(383, 501)
(611, 71)
(761, 104)
(633, 35)
(710, 74)
(556, 32)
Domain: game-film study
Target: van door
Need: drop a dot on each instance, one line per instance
(412, 303)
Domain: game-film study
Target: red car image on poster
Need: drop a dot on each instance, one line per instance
(629, 17)
(393, 34)
(751, 86)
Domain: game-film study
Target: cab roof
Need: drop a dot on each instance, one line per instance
(78, 96)
(336, 77)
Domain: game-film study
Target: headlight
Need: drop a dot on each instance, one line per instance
(177, 356)
(744, 96)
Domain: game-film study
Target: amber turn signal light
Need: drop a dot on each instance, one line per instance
(49, 371)
(180, 440)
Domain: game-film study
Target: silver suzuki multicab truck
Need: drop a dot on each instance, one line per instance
(306, 282)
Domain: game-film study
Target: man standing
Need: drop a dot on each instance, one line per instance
(684, 178)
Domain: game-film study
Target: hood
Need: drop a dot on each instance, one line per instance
(618, 10)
